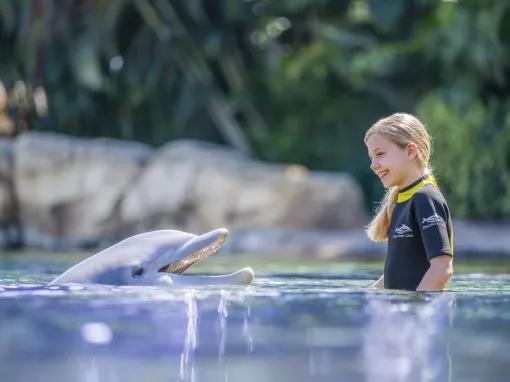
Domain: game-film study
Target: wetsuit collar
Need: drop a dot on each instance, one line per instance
(407, 192)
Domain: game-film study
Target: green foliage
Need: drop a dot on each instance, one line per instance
(472, 153)
(286, 80)
(468, 110)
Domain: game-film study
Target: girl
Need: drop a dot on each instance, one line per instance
(413, 215)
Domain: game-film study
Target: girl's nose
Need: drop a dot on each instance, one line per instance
(373, 164)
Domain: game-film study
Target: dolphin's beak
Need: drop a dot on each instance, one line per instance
(242, 276)
(196, 250)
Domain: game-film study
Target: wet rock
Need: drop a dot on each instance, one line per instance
(69, 189)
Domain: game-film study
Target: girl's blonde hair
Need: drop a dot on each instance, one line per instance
(401, 129)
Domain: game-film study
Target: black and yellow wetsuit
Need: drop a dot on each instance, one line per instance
(420, 230)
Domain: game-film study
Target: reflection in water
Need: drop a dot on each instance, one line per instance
(90, 371)
(190, 365)
(320, 362)
(246, 329)
(97, 333)
(188, 370)
(92, 368)
(222, 314)
(408, 340)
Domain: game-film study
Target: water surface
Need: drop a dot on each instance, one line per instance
(299, 321)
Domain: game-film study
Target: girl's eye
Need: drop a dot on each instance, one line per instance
(137, 271)
(379, 154)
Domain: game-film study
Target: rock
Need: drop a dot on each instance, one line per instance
(201, 186)
(9, 227)
(74, 192)
(69, 189)
(473, 241)
(6, 197)
(310, 244)
(68, 192)
(262, 195)
(481, 240)
(162, 194)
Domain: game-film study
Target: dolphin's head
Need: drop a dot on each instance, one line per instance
(155, 258)
(175, 256)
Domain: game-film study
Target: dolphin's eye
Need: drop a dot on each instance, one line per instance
(137, 270)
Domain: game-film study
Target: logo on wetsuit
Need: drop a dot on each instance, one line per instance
(431, 221)
(402, 231)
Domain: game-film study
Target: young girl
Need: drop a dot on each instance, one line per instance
(413, 215)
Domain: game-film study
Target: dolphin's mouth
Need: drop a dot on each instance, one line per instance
(194, 257)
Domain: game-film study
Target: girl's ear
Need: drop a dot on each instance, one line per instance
(412, 150)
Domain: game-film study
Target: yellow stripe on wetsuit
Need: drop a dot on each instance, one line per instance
(406, 195)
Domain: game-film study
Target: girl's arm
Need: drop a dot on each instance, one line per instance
(438, 274)
(379, 284)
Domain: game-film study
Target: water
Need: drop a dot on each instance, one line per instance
(311, 322)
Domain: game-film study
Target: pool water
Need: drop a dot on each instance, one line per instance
(299, 321)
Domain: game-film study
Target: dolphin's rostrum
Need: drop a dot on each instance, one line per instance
(154, 258)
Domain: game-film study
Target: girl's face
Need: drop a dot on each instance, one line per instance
(395, 166)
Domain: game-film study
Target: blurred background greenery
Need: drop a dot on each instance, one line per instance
(283, 80)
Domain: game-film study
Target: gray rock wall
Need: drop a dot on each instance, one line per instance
(69, 189)
(75, 192)
(6, 194)
(199, 186)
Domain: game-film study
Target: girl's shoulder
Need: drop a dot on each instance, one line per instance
(429, 193)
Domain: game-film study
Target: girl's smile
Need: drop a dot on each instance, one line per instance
(383, 173)
(395, 166)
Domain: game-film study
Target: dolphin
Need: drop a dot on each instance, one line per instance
(154, 258)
